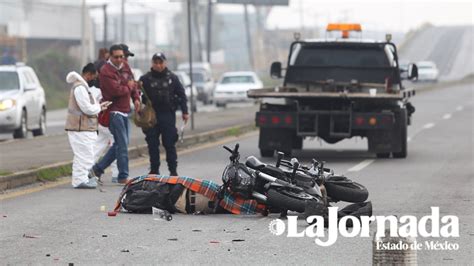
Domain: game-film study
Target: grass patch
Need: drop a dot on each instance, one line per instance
(235, 131)
(3, 173)
(54, 174)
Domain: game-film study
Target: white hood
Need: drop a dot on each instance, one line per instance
(74, 76)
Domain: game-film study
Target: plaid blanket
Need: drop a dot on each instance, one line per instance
(231, 201)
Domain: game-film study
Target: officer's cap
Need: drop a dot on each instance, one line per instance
(159, 56)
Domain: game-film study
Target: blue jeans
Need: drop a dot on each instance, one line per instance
(119, 127)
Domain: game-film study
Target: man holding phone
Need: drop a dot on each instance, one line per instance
(81, 125)
(117, 88)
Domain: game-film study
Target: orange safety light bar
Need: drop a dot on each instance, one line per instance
(344, 28)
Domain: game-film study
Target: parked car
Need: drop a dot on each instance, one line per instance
(186, 81)
(233, 87)
(427, 71)
(22, 101)
(202, 78)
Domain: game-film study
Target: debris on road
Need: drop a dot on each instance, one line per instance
(30, 236)
(197, 230)
(172, 239)
(238, 240)
(214, 242)
(112, 213)
(102, 208)
(124, 250)
(104, 235)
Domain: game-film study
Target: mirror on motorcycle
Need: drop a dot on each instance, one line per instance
(235, 153)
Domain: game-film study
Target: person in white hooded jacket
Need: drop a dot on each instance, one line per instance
(81, 125)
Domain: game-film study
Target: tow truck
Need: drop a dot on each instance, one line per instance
(334, 89)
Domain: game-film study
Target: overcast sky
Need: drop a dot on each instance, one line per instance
(378, 15)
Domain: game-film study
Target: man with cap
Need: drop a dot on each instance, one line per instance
(117, 86)
(166, 94)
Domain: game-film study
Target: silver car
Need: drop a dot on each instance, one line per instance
(22, 102)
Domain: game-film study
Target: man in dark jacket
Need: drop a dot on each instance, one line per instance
(166, 94)
(117, 86)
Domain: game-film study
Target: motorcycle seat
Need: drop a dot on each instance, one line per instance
(254, 163)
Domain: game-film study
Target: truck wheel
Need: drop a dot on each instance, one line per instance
(383, 155)
(266, 153)
(42, 125)
(297, 143)
(403, 136)
(22, 131)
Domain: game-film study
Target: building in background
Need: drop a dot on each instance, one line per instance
(45, 26)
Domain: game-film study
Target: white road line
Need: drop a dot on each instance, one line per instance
(459, 108)
(429, 125)
(361, 165)
(447, 116)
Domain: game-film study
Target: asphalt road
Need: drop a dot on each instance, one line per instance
(63, 225)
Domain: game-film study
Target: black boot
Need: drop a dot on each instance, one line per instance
(154, 172)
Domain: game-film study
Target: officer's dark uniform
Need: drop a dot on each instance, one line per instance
(166, 94)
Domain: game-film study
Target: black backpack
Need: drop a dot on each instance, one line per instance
(140, 197)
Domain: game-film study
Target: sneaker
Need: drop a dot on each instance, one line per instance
(91, 184)
(93, 181)
(174, 173)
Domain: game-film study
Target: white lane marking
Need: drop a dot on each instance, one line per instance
(459, 108)
(429, 125)
(447, 116)
(361, 165)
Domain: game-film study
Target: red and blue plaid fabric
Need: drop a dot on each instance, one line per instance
(231, 201)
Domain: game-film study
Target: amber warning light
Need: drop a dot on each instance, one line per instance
(344, 28)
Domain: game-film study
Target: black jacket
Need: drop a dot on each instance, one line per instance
(165, 91)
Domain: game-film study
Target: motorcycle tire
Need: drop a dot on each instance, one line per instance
(352, 192)
(287, 200)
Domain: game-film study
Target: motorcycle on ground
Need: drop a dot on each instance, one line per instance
(277, 194)
(291, 186)
(315, 179)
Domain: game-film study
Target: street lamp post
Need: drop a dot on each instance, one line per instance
(190, 62)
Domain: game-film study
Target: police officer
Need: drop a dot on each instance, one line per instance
(166, 93)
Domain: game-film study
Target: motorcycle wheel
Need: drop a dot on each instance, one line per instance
(351, 192)
(287, 200)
